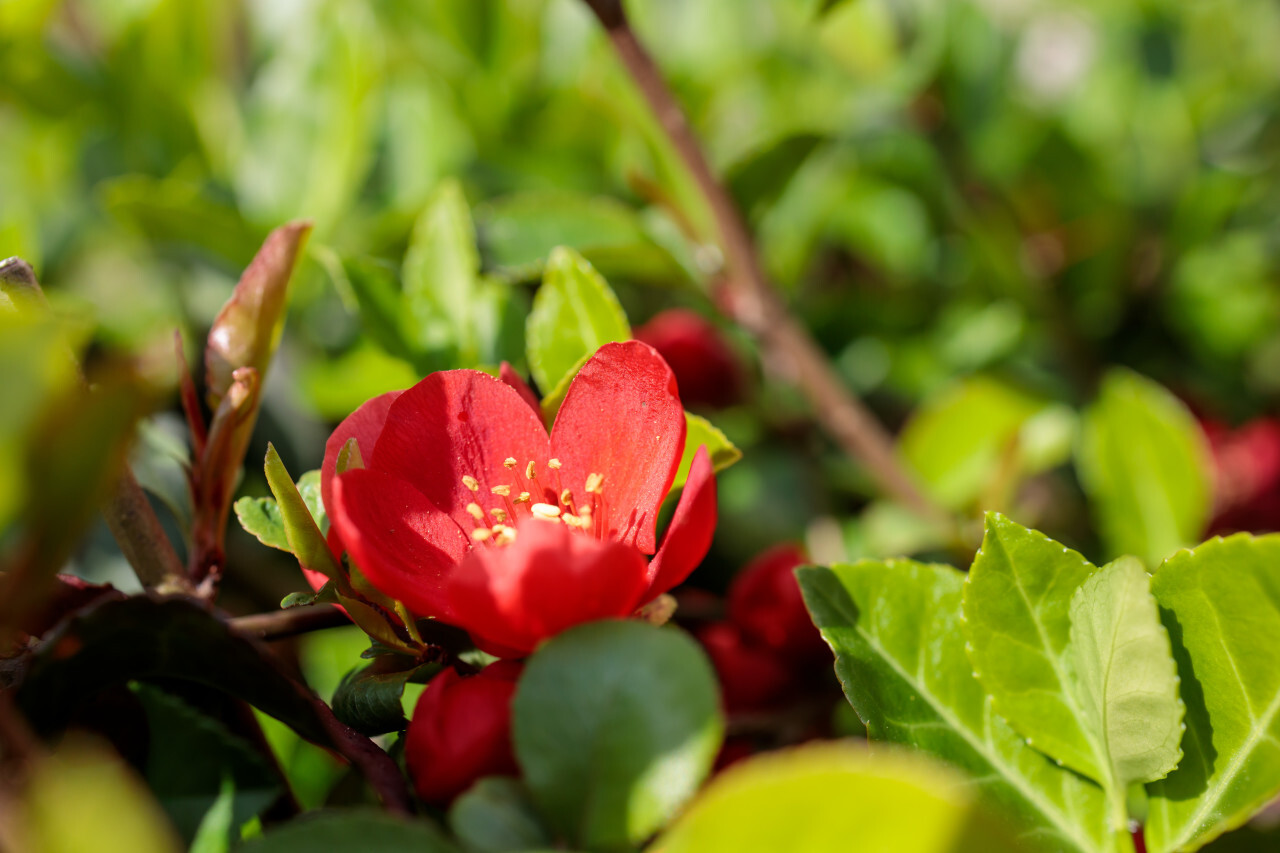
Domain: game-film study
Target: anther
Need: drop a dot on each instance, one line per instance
(506, 536)
(499, 515)
(574, 521)
(509, 463)
(522, 499)
(476, 512)
(471, 482)
(545, 511)
(480, 534)
(504, 491)
(529, 472)
(593, 483)
(553, 464)
(566, 497)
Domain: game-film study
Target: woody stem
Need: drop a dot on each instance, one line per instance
(755, 305)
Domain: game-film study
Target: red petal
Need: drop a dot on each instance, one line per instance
(364, 425)
(508, 374)
(689, 535)
(622, 419)
(405, 546)
(460, 731)
(456, 423)
(549, 579)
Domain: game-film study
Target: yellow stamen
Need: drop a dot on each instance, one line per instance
(553, 464)
(480, 534)
(500, 490)
(522, 499)
(506, 536)
(476, 512)
(545, 510)
(593, 483)
(529, 472)
(566, 497)
(575, 521)
(499, 515)
(471, 482)
(509, 463)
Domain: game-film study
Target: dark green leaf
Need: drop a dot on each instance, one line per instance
(369, 699)
(350, 832)
(496, 815)
(615, 725)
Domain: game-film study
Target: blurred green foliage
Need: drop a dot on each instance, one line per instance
(1008, 196)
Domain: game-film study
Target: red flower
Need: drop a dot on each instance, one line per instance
(469, 512)
(708, 371)
(461, 731)
(751, 677)
(1247, 475)
(766, 604)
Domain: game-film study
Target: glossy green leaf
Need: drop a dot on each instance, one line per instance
(552, 400)
(836, 796)
(309, 487)
(496, 815)
(615, 724)
(960, 440)
(1144, 464)
(574, 314)
(1017, 610)
(699, 432)
(350, 832)
(304, 537)
(441, 274)
(1221, 605)
(368, 699)
(896, 630)
(261, 517)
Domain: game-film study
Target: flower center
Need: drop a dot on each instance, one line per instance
(533, 494)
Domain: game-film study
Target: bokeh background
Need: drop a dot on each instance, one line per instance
(977, 206)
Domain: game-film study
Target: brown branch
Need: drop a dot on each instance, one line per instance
(289, 623)
(141, 538)
(754, 303)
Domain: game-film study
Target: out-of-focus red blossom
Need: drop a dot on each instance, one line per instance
(461, 731)
(708, 370)
(752, 677)
(1247, 475)
(765, 602)
(467, 511)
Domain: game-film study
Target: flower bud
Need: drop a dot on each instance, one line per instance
(461, 731)
(765, 603)
(707, 370)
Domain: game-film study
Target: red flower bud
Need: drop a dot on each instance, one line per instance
(765, 603)
(461, 731)
(707, 371)
(751, 676)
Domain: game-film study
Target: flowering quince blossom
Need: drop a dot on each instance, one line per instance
(461, 730)
(469, 512)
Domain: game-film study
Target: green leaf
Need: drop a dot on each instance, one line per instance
(304, 537)
(574, 314)
(496, 815)
(701, 431)
(350, 832)
(1143, 462)
(1221, 604)
(441, 274)
(1125, 679)
(1017, 611)
(896, 629)
(368, 699)
(959, 440)
(615, 724)
(551, 401)
(214, 833)
(519, 232)
(836, 796)
(261, 517)
(309, 487)
(382, 306)
(190, 758)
